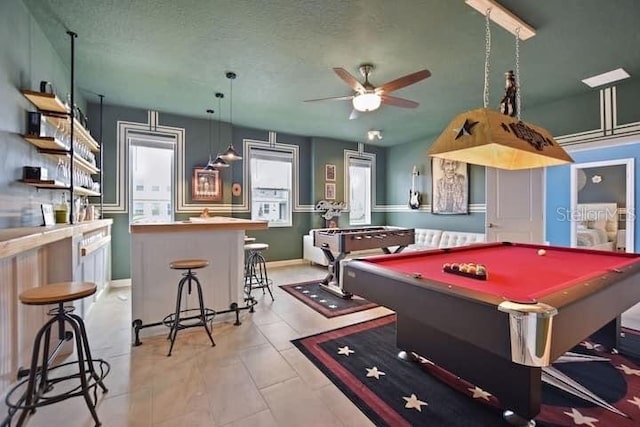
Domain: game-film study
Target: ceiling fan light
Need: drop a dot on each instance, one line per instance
(367, 102)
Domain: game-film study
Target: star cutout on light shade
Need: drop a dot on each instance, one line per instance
(635, 401)
(479, 393)
(465, 129)
(580, 419)
(629, 371)
(345, 350)
(374, 372)
(414, 403)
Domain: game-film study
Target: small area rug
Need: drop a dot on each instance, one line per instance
(324, 302)
(361, 361)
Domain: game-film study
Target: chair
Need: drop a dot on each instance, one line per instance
(44, 383)
(181, 319)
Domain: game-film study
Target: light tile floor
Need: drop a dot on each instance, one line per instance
(253, 377)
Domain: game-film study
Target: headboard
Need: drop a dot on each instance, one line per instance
(603, 216)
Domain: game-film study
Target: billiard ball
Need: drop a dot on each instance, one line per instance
(541, 252)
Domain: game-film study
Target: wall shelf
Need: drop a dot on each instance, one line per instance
(79, 131)
(45, 142)
(81, 191)
(50, 184)
(54, 113)
(78, 162)
(45, 101)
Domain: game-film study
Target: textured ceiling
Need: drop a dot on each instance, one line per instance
(172, 56)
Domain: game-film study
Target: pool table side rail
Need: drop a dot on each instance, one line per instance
(458, 312)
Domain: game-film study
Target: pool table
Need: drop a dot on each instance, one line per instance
(498, 333)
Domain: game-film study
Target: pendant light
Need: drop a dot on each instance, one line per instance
(210, 164)
(231, 155)
(487, 137)
(219, 162)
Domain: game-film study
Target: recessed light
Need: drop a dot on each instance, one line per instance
(606, 78)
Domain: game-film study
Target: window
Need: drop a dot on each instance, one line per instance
(359, 189)
(271, 172)
(151, 166)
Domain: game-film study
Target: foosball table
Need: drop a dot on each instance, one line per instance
(342, 241)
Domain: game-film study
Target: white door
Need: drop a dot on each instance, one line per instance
(515, 205)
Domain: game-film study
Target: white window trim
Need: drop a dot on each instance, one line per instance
(248, 146)
(148, 139)
(371, 157)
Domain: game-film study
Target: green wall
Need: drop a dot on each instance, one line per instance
(284, 242)
(26, 58)
(400, 162)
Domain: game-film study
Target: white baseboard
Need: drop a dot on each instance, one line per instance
(286, 263)
(122, 283)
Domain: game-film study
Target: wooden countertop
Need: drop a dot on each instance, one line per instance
(16, 240)
(214, 223)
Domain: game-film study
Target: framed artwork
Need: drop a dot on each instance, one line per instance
(329, 172)
(450, 181)
(330, 191)
(206, 185)
(47, 214)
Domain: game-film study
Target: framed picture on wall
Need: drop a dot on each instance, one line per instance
(329, 172)
(330, 191)
(450, 180)
(206, 185)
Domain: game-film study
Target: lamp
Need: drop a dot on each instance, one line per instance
(210, 164)
(231, 155)
(367, 101)
(219, 162)
(488, 138)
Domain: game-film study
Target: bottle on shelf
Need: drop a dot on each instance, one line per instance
(62, 211)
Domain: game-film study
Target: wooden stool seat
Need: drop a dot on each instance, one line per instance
(188, 264)
(253, 247)
(57, 293)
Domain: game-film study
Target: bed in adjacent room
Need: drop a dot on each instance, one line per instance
(597, 226)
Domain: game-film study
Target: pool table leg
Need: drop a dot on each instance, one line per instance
(518, 387)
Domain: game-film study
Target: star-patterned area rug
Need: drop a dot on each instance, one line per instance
(361, 360)
(324, 302)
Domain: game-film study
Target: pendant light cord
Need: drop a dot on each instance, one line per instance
(219, 96)
(487, 53)
(210, 140)
(518, 88)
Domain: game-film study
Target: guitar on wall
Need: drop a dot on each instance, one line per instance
(414, 196)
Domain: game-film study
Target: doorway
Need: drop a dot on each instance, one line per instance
(602, 205)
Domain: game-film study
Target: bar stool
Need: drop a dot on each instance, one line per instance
(255, 273)
(175, 321)
(41, 381)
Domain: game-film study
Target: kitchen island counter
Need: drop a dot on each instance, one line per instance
(218, 240)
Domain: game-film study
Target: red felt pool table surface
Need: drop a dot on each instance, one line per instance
(515, 271)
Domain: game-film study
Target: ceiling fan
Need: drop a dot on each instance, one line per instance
(367, 97)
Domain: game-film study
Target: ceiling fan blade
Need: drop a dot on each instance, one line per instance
(398, 102)
(407, 80)
(354, 114)
(331, 98)
(349, 79)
